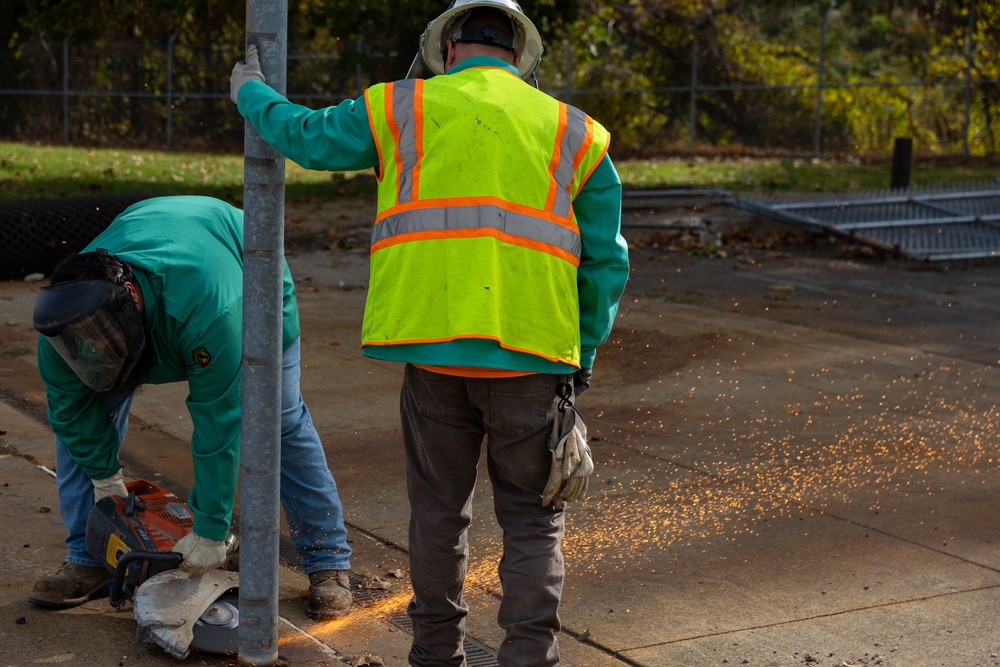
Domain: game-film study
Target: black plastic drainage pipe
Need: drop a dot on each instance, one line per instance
(36, 234)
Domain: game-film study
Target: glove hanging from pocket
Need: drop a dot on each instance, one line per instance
(572, 464)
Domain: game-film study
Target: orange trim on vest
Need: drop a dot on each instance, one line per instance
(473, 371)
(476, 233)
(418, 142)
(390, 120)
(550, 200)
(449, 339)
(378, 144)
(590, 140)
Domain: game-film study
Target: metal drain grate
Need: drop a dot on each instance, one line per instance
(957, 222)
(477, 654)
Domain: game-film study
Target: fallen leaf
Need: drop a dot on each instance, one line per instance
(375, 583)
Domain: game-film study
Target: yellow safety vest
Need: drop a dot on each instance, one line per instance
(475, 235)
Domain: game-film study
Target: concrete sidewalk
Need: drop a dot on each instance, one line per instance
(796, 465)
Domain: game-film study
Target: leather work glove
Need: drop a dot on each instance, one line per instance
(245, 70)
(110, 486)
(572, 464)
(200, 553)
(581, 380)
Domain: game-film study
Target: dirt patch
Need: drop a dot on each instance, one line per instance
(329, 225)
(637, 355)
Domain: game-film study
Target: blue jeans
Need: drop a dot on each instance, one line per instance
(309, 496)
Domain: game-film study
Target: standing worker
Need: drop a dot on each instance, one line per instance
(155, 298)
(497, 263)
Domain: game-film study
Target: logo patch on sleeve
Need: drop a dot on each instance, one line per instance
(201, 357)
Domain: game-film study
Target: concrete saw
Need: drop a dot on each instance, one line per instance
(179, 611)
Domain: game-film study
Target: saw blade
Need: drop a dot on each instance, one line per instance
(217, 630)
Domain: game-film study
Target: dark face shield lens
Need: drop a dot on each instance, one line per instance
(96, 349)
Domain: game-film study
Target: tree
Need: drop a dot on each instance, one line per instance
(629, 63)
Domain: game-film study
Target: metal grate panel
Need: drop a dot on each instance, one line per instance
(954, 241)
(982, 205)
(477, 654)
(960, 222)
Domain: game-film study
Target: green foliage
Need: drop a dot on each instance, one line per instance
(628, 63)
(875, 53)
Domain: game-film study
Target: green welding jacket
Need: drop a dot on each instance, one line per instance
(187, 255)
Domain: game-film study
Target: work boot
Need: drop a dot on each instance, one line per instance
(71, 586)
(329, 595)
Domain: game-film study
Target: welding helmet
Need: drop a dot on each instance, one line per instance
(524, 39)
(95, 327)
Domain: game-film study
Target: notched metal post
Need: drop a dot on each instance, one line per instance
(263, 264)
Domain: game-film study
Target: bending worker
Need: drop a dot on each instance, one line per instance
(156, 298)
(496, 268)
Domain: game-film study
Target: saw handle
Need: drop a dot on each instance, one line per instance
(115, 595)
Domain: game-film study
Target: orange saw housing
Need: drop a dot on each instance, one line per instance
(149, 521)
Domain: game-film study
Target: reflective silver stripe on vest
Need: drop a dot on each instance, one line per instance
(402, 111)
(453, 218)
(573, 138)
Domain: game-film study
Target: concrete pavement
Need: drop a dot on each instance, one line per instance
(796, 458)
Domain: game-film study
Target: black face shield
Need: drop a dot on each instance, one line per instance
(95, 327)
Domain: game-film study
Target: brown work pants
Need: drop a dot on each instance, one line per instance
(444, 420)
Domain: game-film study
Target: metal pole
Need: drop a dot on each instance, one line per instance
(170, 84)
(359, 46)
(568, 93)
(817, 137)
(263, 265)
(65, 93)
(968, 79)
(694, 88)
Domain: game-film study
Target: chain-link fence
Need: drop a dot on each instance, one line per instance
(176, 95)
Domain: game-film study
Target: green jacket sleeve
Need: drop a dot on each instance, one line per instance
(604, 266)
(214, 404)
(78, 416)
(336, 138)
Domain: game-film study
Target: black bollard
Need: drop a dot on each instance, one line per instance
(902, 155)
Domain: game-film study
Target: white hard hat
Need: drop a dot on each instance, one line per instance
(527, 42)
